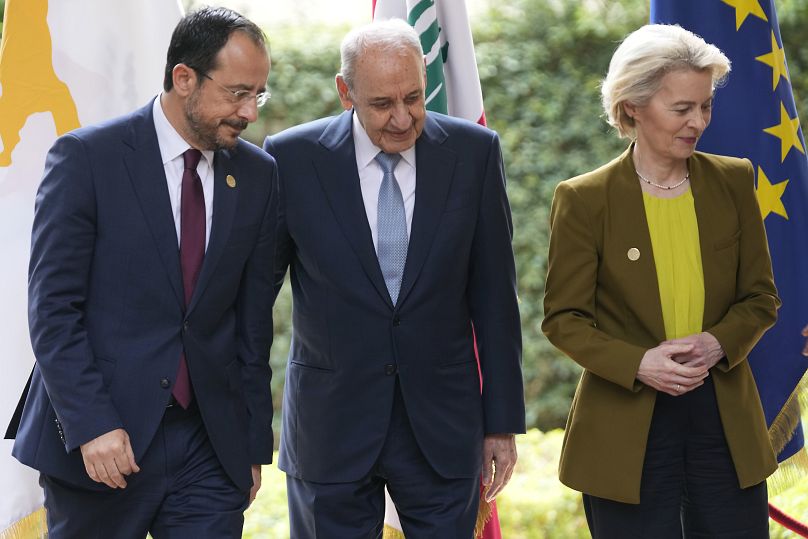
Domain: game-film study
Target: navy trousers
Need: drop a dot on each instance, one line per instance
(181, 492)
(689, 487)
(428, 505)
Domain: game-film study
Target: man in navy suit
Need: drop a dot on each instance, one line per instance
(149, 408)
(396, 228)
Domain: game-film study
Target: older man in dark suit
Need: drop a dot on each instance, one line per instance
(397, 230)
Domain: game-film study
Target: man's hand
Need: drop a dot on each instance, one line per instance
(256, 475)
(109, 458)
(805, 334)
(499, 459)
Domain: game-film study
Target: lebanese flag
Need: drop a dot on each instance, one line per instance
(453, 82)
(452, 87)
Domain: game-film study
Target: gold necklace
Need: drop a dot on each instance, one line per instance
(665, 187)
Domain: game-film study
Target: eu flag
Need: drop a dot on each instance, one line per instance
(754, 116)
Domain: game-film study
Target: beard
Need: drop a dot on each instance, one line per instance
(206, 131)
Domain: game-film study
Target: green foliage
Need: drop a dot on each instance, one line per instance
(301, 79)
(793, 502)
(535, 505)
(793, 16)
(541, 62)
(268, 516)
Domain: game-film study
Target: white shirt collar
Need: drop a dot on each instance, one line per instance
(171, 143)
(366, 151)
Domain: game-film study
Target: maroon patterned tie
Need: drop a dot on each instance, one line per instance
(192, 252)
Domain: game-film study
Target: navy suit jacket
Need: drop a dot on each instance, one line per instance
(349, 341)
(106, 306)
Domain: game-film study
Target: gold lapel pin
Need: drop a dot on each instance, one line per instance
(633, 254)
(231, 181)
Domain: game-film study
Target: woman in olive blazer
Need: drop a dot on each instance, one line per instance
(603, 309)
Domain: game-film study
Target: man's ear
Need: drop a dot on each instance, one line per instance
(344, 93)
(424, 74)
(185, 80)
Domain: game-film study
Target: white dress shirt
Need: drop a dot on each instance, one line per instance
(172, 146)
(370, 178)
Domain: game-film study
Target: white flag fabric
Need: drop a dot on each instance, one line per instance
(453, 82)
(62, 65)
(392, 524)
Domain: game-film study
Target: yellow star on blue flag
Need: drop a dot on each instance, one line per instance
(788, 131)
(776, 59)
(770, 197)
(744, 8)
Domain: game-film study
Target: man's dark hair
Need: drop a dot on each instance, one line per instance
(200, 36)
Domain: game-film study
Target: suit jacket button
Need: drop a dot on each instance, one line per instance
(396, 321)
(164, 383)
(390, 370)
(185, 326)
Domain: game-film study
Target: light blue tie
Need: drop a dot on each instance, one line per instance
(391, 226)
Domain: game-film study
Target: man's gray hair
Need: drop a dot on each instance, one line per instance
(392, 36)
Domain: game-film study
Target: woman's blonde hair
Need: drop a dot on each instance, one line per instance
(641, 61)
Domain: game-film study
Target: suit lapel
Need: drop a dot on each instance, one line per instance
(147, 175)
(339, 178)
(628, 219)
(434, 171)
(705, 210)
(225, 199)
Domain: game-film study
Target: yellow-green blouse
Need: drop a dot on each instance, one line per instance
(677, 255)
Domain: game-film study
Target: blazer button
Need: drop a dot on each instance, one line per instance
(60, 430)
(165, 383)
(396, 321)
(185, 326)
(390, 370)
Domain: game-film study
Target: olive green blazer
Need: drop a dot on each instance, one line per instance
(602, 309)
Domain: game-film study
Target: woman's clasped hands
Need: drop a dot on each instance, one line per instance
(680, 365)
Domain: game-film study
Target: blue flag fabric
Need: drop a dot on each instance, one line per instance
(754, 116)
